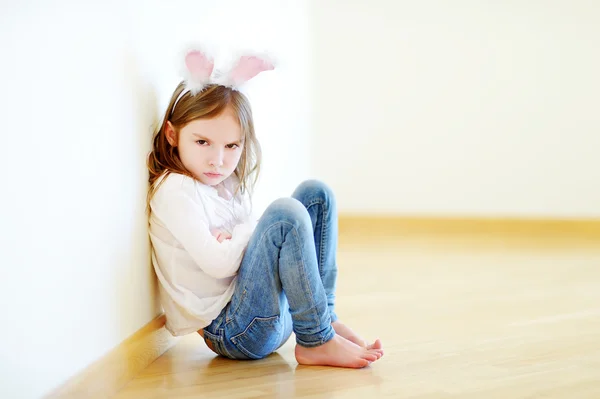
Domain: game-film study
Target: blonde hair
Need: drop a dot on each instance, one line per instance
(211, 102)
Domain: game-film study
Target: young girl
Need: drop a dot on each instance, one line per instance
(242, 284)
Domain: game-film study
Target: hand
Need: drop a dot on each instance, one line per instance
(221, 235)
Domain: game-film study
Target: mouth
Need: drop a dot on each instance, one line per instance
(213, 175)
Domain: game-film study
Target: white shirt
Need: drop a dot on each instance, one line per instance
(196, 273)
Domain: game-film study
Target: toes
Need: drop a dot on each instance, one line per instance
(375, 345)
(376, 352)
(370, 357)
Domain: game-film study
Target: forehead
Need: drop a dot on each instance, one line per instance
(224, 127)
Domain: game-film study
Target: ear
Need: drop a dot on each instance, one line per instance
(247, 67)
(198, 68)
(170, 133)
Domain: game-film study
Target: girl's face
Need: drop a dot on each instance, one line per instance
(210, 149)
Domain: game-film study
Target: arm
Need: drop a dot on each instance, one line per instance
(186, 220)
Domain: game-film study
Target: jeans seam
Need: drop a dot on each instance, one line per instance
(218, 341)
(316, 318)
(323, 233)
(223, 343)
(229, 318)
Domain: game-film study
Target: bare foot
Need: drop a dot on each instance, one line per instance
(346, 332)
(338, 352)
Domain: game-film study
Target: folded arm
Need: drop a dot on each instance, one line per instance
(187, 221)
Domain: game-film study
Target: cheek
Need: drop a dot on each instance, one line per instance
(189, 153)
(233, 158)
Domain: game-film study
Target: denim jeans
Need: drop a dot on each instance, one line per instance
(286, 280)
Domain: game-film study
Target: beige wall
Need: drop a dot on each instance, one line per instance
(81, 87)
(458, 107)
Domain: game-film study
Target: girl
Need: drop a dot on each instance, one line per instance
(244, 285)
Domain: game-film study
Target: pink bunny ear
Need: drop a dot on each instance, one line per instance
(248, 67)
(199, 69)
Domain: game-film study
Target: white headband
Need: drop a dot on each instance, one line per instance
(199, 68)
(183, 92)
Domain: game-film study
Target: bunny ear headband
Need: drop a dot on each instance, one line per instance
(199, 72)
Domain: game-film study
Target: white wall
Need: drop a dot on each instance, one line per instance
(459, 107)
(280, 98)
(82, 84)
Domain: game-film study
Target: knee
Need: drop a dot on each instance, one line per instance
(289, 210)
(314, 190)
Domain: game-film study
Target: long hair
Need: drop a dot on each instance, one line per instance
(211, 102)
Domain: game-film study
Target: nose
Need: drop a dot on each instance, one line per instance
(216, 159)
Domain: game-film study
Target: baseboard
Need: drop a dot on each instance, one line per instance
(385, 224)
(109, 374)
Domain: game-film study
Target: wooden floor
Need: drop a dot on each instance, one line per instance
(461, 316)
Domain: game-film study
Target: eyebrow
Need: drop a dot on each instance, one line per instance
(238, 142)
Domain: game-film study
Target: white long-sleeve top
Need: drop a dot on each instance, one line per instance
(196, 273)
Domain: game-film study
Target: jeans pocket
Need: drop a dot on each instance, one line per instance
(261, 338)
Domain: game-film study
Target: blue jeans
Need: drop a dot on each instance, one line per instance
(286, 280)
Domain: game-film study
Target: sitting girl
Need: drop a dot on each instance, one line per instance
(243, 284)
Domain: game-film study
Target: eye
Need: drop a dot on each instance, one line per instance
(201, 142)
(232, 146)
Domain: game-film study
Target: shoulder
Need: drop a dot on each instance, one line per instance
(176, 182)
(174, 185)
